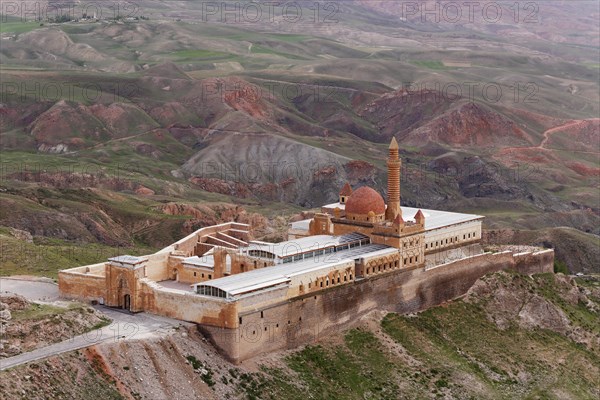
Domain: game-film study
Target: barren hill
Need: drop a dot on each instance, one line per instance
(146, 103)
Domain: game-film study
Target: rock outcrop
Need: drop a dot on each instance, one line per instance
(537, 302)
(25, 326)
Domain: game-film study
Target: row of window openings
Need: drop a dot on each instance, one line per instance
(243, 266)
(369, 219)
(385, 266)
(339, 280)
(261, 253)
(211, 291)
(451, 240)
(262, 315)
(410, 260)
(209, 275)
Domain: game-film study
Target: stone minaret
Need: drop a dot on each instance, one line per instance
(393, 200)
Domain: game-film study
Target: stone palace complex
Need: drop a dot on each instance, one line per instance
(357, 255)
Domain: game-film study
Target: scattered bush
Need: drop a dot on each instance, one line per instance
(560, 267)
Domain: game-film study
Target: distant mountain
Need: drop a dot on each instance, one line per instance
(498, 118)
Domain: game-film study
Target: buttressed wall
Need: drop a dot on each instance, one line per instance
(316, 315)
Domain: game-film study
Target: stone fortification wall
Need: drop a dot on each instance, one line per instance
(83, 283)
(310, 317)
(187, 306)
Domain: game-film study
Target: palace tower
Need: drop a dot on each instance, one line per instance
(394, 164)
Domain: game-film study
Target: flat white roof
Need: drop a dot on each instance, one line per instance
(434, 219)
(333, 206)
(200, 261)
(303, 225)
(132, 260)
(263, 278)
(301, 245)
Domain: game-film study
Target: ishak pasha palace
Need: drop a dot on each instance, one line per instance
(357, 255)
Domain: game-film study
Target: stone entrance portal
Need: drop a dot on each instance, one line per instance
(122, 276)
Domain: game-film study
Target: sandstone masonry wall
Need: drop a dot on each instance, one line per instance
(187, 306)
(313, 316)
(83, 286)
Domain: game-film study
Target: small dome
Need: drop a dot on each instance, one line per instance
(364, 200)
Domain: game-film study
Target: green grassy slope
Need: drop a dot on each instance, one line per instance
(455, 351)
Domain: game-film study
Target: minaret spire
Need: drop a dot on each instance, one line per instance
(394, 164)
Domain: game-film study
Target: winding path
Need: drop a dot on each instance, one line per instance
(560, 128)
(548, 132)
(124, 326)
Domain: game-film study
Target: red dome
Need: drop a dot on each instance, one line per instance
(363, 200)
